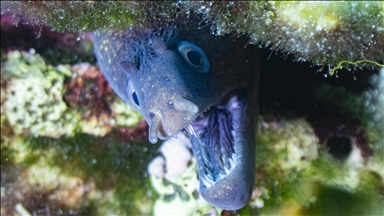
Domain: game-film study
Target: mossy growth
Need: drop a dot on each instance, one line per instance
(324, 33)
(125, 114)
(33, 97)
(179, 195)
(295, 176)
(84, 173)
(74, 16)
(284, 150)
(33, 100)
(56, 56)
(51, 160)
(110, 163)
(336, 201)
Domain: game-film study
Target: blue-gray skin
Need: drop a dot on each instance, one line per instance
(185, 79)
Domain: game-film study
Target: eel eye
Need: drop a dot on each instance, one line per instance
(135, 98)
(194, 56)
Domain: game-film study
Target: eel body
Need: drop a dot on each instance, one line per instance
(186, 79)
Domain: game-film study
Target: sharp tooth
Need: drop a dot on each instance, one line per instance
(222, 175)
(227, 170)
(207, 171)
(209, 176)
(232, 162)
(206, 160)
(190, 130)
(207, 182)
(233, 133)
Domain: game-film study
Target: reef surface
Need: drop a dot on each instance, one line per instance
(69, 145)
(323, 33)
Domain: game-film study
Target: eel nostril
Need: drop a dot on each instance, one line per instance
(182, 104)
(151, 115)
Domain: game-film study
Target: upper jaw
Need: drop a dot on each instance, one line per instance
(166, 123)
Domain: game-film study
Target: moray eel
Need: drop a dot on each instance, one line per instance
(185, 79)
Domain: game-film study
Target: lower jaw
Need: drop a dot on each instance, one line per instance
(232, 191)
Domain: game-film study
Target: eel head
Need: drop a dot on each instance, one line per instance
(195, 82)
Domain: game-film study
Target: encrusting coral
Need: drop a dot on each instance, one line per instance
(35, 104)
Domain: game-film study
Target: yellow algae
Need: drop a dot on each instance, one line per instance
(354, 63)
(313, 15)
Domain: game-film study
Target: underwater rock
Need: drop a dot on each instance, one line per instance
(42, 100)
(173, 176)
(89, 94)
(297, 153)
(324, 33)
(157, 167)
(177, 154)
(33, 96)
(40, 189)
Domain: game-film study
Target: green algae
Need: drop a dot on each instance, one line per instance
(335, 201)
(74, 16)
(111, 169)
(109, 162)
(125, 114)
(179, 195)
(324, 33)
(297, 151)
(46, 142)
(174, 178)
(57, 56)
(284, 150)
(295, 175)
(33, 102)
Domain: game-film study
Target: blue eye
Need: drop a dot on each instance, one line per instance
(135, 98)
(194, 56)
(132, 96)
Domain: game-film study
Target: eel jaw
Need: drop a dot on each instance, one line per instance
(224, 145)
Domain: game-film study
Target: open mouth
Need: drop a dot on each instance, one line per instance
(223, 143)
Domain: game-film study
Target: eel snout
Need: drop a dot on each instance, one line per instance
(168, 122)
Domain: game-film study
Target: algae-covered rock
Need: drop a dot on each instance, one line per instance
(297, 175)
(285, 148)
(34, 102)
(125, 114)
(173, 176)
(77, 175)
(324, 33)
(89, 94)
(38, 101)
(297, 152)
(99, 171)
